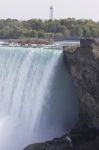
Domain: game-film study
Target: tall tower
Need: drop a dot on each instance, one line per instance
(51, 13)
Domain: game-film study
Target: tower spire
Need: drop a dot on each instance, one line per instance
(51, 13)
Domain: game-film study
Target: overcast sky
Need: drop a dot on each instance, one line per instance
(26, 9)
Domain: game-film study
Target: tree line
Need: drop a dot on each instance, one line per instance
(69, 28)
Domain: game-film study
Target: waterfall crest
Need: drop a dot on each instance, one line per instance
(37, 97)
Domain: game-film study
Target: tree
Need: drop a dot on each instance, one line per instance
(36, 28)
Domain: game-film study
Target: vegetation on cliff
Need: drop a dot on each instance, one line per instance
(56, 29)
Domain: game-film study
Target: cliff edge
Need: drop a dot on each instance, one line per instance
(83, 64)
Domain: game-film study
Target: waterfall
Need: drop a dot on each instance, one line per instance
(37, 97)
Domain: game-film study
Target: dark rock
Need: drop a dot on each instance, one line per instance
(84, 67)
(93, 145)
(81, 136)
(37, 146)
(87, 42)
(74, 139)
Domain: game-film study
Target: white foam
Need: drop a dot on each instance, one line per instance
(36, 103)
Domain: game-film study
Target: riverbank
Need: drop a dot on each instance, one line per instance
(27, 42)
(38, 43)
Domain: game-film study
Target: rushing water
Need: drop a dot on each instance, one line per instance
(37, 97)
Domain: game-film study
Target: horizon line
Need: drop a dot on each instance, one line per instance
(26, 19)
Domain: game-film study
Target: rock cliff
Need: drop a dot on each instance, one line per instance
(83, 64)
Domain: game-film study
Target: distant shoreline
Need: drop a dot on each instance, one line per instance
(25, 42)
(34, 42)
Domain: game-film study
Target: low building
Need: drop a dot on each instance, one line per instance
(87, 42)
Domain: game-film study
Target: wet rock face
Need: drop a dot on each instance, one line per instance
(53, 147)
(84, 67)
(75, 139)
(50, 145)
(34, 147)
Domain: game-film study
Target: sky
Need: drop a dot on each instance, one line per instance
(27, 9)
